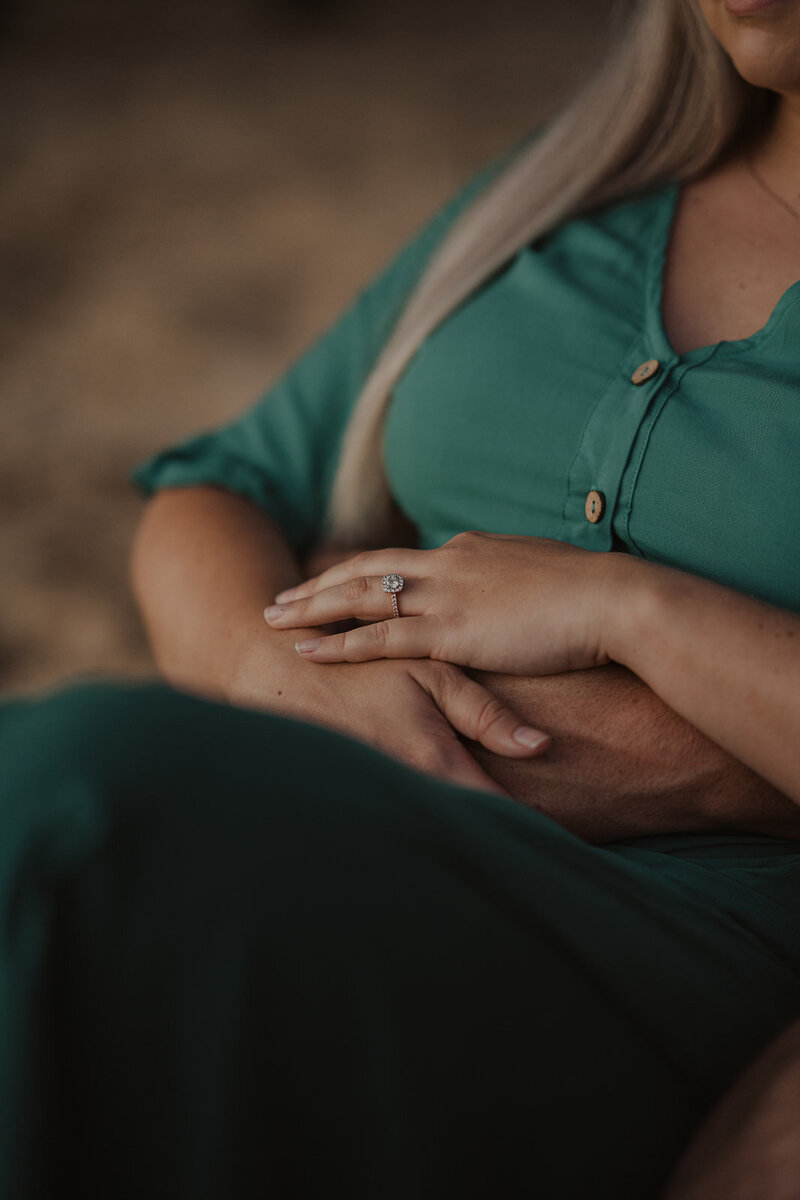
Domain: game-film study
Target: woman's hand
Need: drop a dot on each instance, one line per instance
(412, 710)
(496, 602)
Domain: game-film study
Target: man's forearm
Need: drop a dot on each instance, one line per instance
(622, 763)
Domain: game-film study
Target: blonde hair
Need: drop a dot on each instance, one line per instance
(665, 104)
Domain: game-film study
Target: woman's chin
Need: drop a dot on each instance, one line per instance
(762, 39)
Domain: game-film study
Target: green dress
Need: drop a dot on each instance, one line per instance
(246, 956)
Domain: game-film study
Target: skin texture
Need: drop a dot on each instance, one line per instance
(622, 763)
(711, 294)
(533, 607)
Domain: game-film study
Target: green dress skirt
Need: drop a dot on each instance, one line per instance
(244, 956)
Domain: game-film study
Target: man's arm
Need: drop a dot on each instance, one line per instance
(623, 764)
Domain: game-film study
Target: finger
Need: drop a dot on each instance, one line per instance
(446, 758)
(362, 598)
(321, 560)
(369, 562)
(409, 637)
(464, 771)
(477, 714)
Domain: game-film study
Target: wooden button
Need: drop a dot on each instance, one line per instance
(645, 370)
(595, 506)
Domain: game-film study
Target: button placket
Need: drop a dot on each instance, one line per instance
(595, 476)
(627, 489)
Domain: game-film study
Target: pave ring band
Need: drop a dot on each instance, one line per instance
(393, 584)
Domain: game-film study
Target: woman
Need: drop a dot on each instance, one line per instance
(330, 973)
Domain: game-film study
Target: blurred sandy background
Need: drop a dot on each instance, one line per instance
(189, 193)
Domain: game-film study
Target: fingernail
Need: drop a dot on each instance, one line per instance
(283, 596)
(307, 647)
(532, 738)
(271, 614)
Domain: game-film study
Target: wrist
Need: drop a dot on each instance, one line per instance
(632, 603)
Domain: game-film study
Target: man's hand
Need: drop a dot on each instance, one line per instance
(413, 711)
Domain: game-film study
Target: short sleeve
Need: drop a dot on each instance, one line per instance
(282, 453)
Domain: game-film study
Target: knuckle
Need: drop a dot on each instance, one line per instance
(449, 674)
(465, 538)
(299, 609)
(361, 561)
(380, 633)
(439, 633)
(438, 675)
(432, 759)
(488, 715)
(357, 589)
(423, 760)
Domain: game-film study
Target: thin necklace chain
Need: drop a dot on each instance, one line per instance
(765, 187)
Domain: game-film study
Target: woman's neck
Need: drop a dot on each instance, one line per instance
(777, 155)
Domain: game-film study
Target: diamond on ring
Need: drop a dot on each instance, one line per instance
(393, 583)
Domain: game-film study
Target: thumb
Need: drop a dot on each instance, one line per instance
(477, 714)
